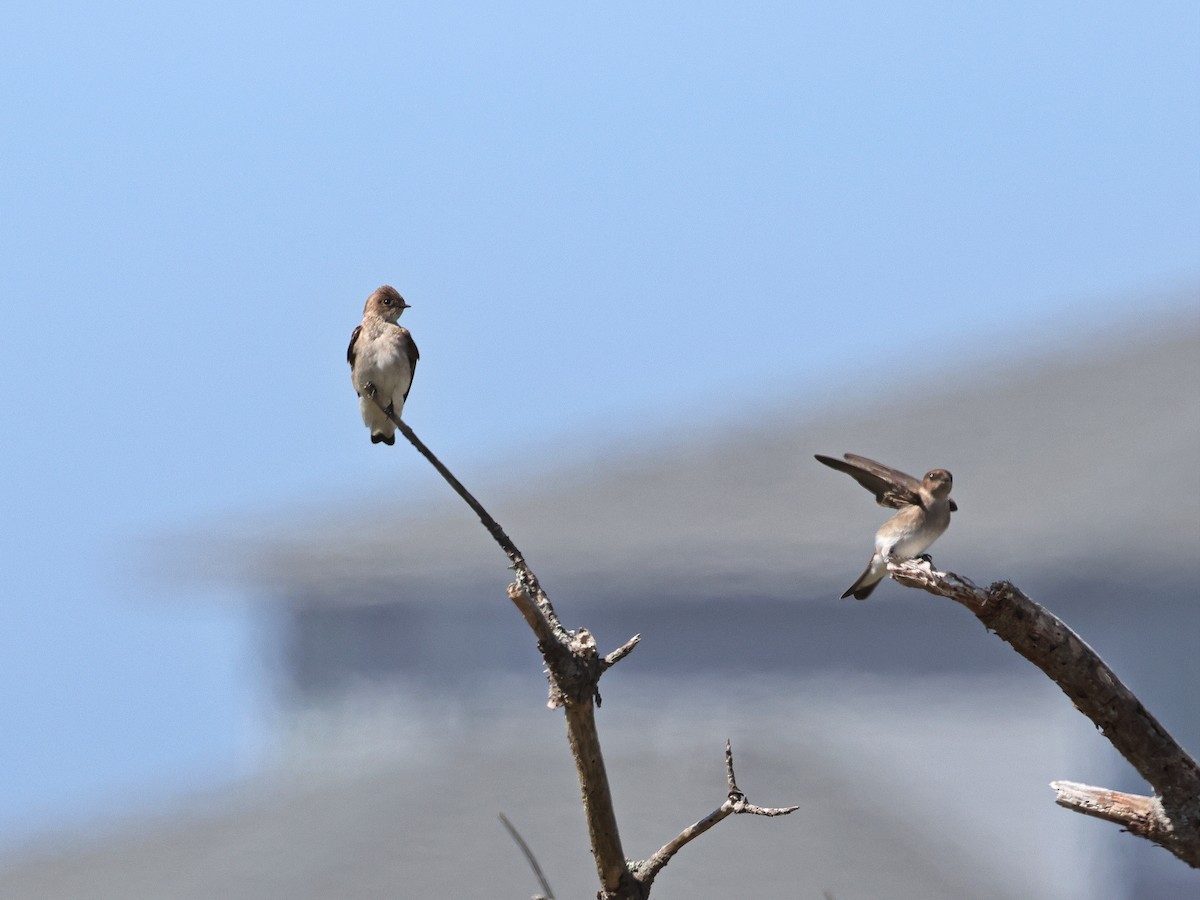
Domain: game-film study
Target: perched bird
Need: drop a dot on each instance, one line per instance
(382, 357)
(924, 513)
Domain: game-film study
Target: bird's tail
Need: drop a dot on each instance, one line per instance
(871, 576)
(382, 429)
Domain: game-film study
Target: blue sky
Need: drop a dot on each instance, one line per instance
(606, 219)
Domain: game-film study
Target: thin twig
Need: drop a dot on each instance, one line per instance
(529, 857)
(506, 543)
(735, 804)
(498, 534)
(1096, 691)
(621, 652)
(516, 557)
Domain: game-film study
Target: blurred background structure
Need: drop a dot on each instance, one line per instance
(657, 258)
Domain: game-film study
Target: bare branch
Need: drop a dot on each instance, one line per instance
(1140, 815)
(1046, 641)
(621, 652)
(573, 668)
(597, 798)
(735, 804)
(547, 893)
(498, 534)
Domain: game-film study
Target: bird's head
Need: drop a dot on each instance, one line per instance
(939, 482)
(386, 303)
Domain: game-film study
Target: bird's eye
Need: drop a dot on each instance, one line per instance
(387, 301)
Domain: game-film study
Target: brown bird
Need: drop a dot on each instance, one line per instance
(924, 513)
(383, 358)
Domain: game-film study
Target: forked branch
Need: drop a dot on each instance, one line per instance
(735, 804)
(573, 667)
(1172, 818)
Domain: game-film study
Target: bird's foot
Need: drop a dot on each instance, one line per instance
(924, 561)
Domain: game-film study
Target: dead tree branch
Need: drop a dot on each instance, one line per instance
(1172, 818)
(735, 804)
(498, 534)
(573, 669)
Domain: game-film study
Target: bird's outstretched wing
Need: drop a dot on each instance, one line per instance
(353, 340)
(891, 487)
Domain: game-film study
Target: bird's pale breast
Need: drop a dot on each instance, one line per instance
(381, 360)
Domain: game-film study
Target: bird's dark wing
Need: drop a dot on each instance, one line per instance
(410, 350)
(891, 487)
(353, 340)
